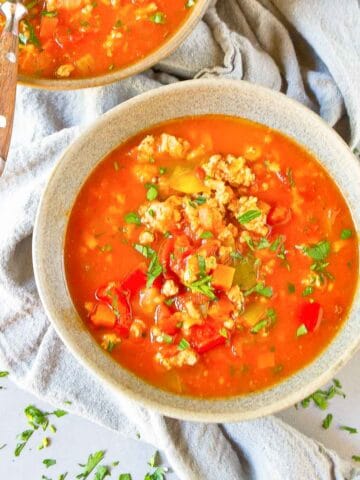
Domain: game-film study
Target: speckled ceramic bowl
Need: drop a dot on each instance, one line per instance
(143, 64)
(182, 99)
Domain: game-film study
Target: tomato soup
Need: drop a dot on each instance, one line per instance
(86, 38)
(211, 256)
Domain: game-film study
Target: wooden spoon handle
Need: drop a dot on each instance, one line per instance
(8, 74)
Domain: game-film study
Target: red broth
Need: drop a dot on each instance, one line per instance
(86, 38)
(211, 256)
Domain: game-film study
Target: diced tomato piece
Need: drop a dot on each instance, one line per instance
(165, 320)
(223, 276)
(266, 360)
(48, 26)
(205, 337)
(104, 293)
(222, 309)
(134, 282)
(165, 250)
(310, 314)
(116, 300)
(103, 316)
(209, 247)
(279, 215)
(65, 37)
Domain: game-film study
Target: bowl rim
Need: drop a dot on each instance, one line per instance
(170, 410)
(140, 66)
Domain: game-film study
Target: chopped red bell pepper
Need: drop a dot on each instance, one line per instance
(165, 250)
(310, 314)
(117, 300)
(165, 320)
(134, 282)
(205, 337)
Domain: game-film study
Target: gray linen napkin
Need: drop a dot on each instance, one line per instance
(310, 51)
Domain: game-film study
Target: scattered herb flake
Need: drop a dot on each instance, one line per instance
(350, 430)
(203, 286)
(4, 374)
(249, 216)
(291, 288)
(205, 235)
(125, 476)
(309, 290)
(152, 192)
(153, 462)
(132, 218)
(302, 330)
(183, 344)
(318, 251)
(356, 458)
(93, 460)
(346, 233)
(327, 421)
(158, 17)
(101, 472)
(49, 462)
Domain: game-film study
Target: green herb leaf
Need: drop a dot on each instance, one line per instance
(200, 200)
(356, 458)
(319, 251)
(153, 462)
(266, 322)
(206, 235)
(202, 265)
(4, 374)
(346, 233)
(101, 473)
(60, 413)
(327, 421)
(49, 462)
(93, 460)
(158, 17)
(132, 218)
(263, 243)
(203, 286)
(32, 38)
(125, 476)
(260, 289)
(183, 344)
(350, 430)
(145, 250)
(106, 248)
(302, 330)
(52, 13)
(249, 216)
(260, 325)
(158, 474)
(223, 332)
(162, 170)
(154, 270)
(307, 291)
(190, 3)
(152, 192)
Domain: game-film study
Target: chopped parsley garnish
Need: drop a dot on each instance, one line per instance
(168, 301)
(309, 290)
(151, 212)
(318, 251)
(206, 235)
(249, 216)
(327, 421)
(158, 474)
(93, 460)
(101, 472)
(49, 462)
(110, 346)
(203, 286)
(125, 476)
(356, 458)
(266, 322)
(24, 438)
(154, 270)
(346, 233)
(32, 38)
(132, 218)
(350, 430)
(183, 344)
(302, 330)
(158, 17)
(4, 374)
(60, 413)
(263, 243)
(153, 462)
(52, 13)
(118, 24)
(321, 398)
(145, 250)
(152, 191)
(235, 255)
(200, 200)
(291, 288)
(276, 244)
(190, 3)
(162, 170)
(260, 289)
(166, 338)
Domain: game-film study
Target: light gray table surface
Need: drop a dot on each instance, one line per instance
(77, 437)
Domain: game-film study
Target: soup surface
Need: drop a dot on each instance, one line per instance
(85, 38)
(212, 256)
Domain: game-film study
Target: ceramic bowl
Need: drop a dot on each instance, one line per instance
(143, 64)
(177, 100)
